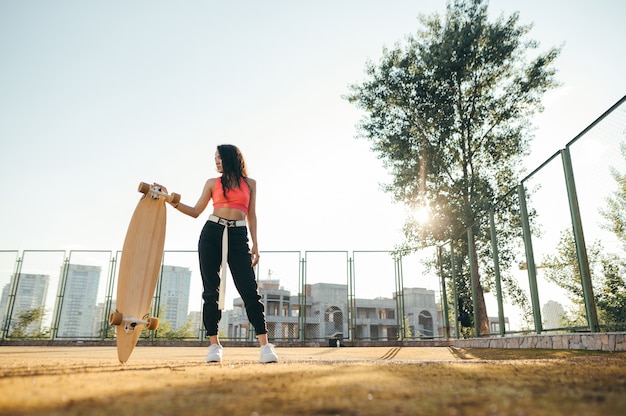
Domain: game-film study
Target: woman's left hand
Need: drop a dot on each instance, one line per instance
(255, 255)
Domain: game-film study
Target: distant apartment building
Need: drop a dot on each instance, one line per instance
(326, 314)
(553, 315)
(494, 325)
(174, 290)
(78, 310)
(281, 311)
(421, 312)
(30, 294)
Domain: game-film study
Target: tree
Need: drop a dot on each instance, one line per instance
(608, 286)
(408, 334)
(166, 330)
(612, 296)
(27, 318)
(447, 112)
(562, 268)
(606, 270)
(615, 211)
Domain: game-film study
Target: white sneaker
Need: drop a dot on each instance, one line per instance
(215, 354)
(267, 354)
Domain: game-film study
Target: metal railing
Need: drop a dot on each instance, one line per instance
(379, 295)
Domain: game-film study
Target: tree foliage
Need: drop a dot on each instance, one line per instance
(611, 297)
(606, 272)
(28, 319)
(615, 211)
(448, 114)
(167, 331)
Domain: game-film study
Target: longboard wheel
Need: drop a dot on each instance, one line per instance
(153, 324)
(115, 318)
(144, 188)
(175, 198)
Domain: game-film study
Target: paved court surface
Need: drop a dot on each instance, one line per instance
(311, 381)
(107, 356)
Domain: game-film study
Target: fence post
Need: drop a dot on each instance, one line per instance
(400, 299)
(302, 300)
(351, 300)
(454, 292)
(579, 238)
(156, 299)
(108, 297)
(444, 295)
(11, 298)
(473, 278)
(496, 270)
(530, 259)
(54, 327)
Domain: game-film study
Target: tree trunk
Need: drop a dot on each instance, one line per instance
(481, 308)
(481, 311)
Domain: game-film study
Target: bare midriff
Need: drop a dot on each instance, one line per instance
(230, 213)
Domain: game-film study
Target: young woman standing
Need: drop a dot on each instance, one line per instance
(224, 239)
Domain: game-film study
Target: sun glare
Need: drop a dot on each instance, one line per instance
(422, 214)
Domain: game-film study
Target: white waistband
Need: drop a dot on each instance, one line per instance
(227, 223)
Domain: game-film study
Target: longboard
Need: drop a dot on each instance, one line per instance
(139, 269)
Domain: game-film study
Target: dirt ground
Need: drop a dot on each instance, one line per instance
(311, 381)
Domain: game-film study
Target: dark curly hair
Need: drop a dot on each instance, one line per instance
(233, 166)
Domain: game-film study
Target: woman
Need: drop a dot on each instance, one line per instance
(234, 206)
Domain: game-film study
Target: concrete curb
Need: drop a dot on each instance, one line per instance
(606, 341)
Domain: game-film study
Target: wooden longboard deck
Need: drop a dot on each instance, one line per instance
(139, 268)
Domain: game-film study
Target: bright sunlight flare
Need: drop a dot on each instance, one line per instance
(422, 214)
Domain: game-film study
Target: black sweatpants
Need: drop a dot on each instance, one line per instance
(240, 264)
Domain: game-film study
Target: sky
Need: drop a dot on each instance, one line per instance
(96, 97)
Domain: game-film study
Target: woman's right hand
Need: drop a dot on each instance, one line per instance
(163, 188)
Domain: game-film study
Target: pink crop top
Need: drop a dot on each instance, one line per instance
(238, 198)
